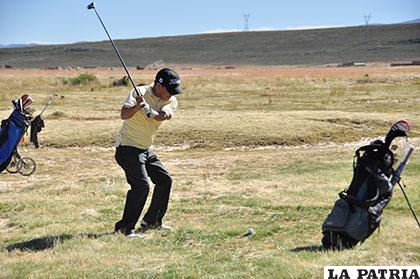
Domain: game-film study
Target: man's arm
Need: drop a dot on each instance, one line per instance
(167, 111)
(131, 106)
(164, 114)
(127, 112)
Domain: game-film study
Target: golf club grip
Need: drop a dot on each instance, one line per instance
(410, 150)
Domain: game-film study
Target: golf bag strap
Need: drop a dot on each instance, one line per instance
(357, 154)
(363, 204)
(4, 131)
(384, 149)
(369, 147)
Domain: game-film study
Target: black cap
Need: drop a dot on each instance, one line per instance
(169, 79)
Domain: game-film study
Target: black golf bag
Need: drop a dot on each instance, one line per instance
(358, 211)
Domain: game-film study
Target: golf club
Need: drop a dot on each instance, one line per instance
(92, 6)
(48, 103)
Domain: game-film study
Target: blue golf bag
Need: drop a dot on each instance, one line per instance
(13, 128)
(11, 133)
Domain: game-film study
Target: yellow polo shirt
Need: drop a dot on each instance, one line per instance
(139, 130)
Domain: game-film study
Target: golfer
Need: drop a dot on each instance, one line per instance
(142, 117)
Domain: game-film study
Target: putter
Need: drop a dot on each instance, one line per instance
(92, 6)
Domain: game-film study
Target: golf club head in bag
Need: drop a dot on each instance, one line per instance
(23, 103)
(399, 129)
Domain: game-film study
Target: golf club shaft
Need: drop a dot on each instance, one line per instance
(118, 53)
(48, 103)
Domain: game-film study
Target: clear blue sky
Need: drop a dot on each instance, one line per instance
(66, 21)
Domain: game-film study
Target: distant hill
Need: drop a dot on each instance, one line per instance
(386, 43)
(412, 21)
(19, 45)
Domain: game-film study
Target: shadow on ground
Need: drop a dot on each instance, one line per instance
(48, 242)
(312, 248)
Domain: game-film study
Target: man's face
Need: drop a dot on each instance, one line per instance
(162, 92)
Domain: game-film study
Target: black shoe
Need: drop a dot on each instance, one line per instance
(165, 227)
(144, 226)
(129, 233)
(121, 228)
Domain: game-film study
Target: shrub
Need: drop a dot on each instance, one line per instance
(81, 79)
(57, 114)
(121, 82)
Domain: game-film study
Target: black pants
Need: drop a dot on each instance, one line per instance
(138, 164)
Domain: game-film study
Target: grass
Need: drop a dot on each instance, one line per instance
(268, 151)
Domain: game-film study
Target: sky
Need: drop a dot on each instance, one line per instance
(69, 21)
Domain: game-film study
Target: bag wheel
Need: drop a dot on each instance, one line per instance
(12, 166)
(26, 166)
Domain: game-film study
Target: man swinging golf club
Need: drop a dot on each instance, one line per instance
(143, 113)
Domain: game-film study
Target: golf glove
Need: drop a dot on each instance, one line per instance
(150, 113)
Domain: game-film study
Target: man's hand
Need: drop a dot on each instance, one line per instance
(151, 113)
(140, 102)
(142, 105)
(167, 113)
